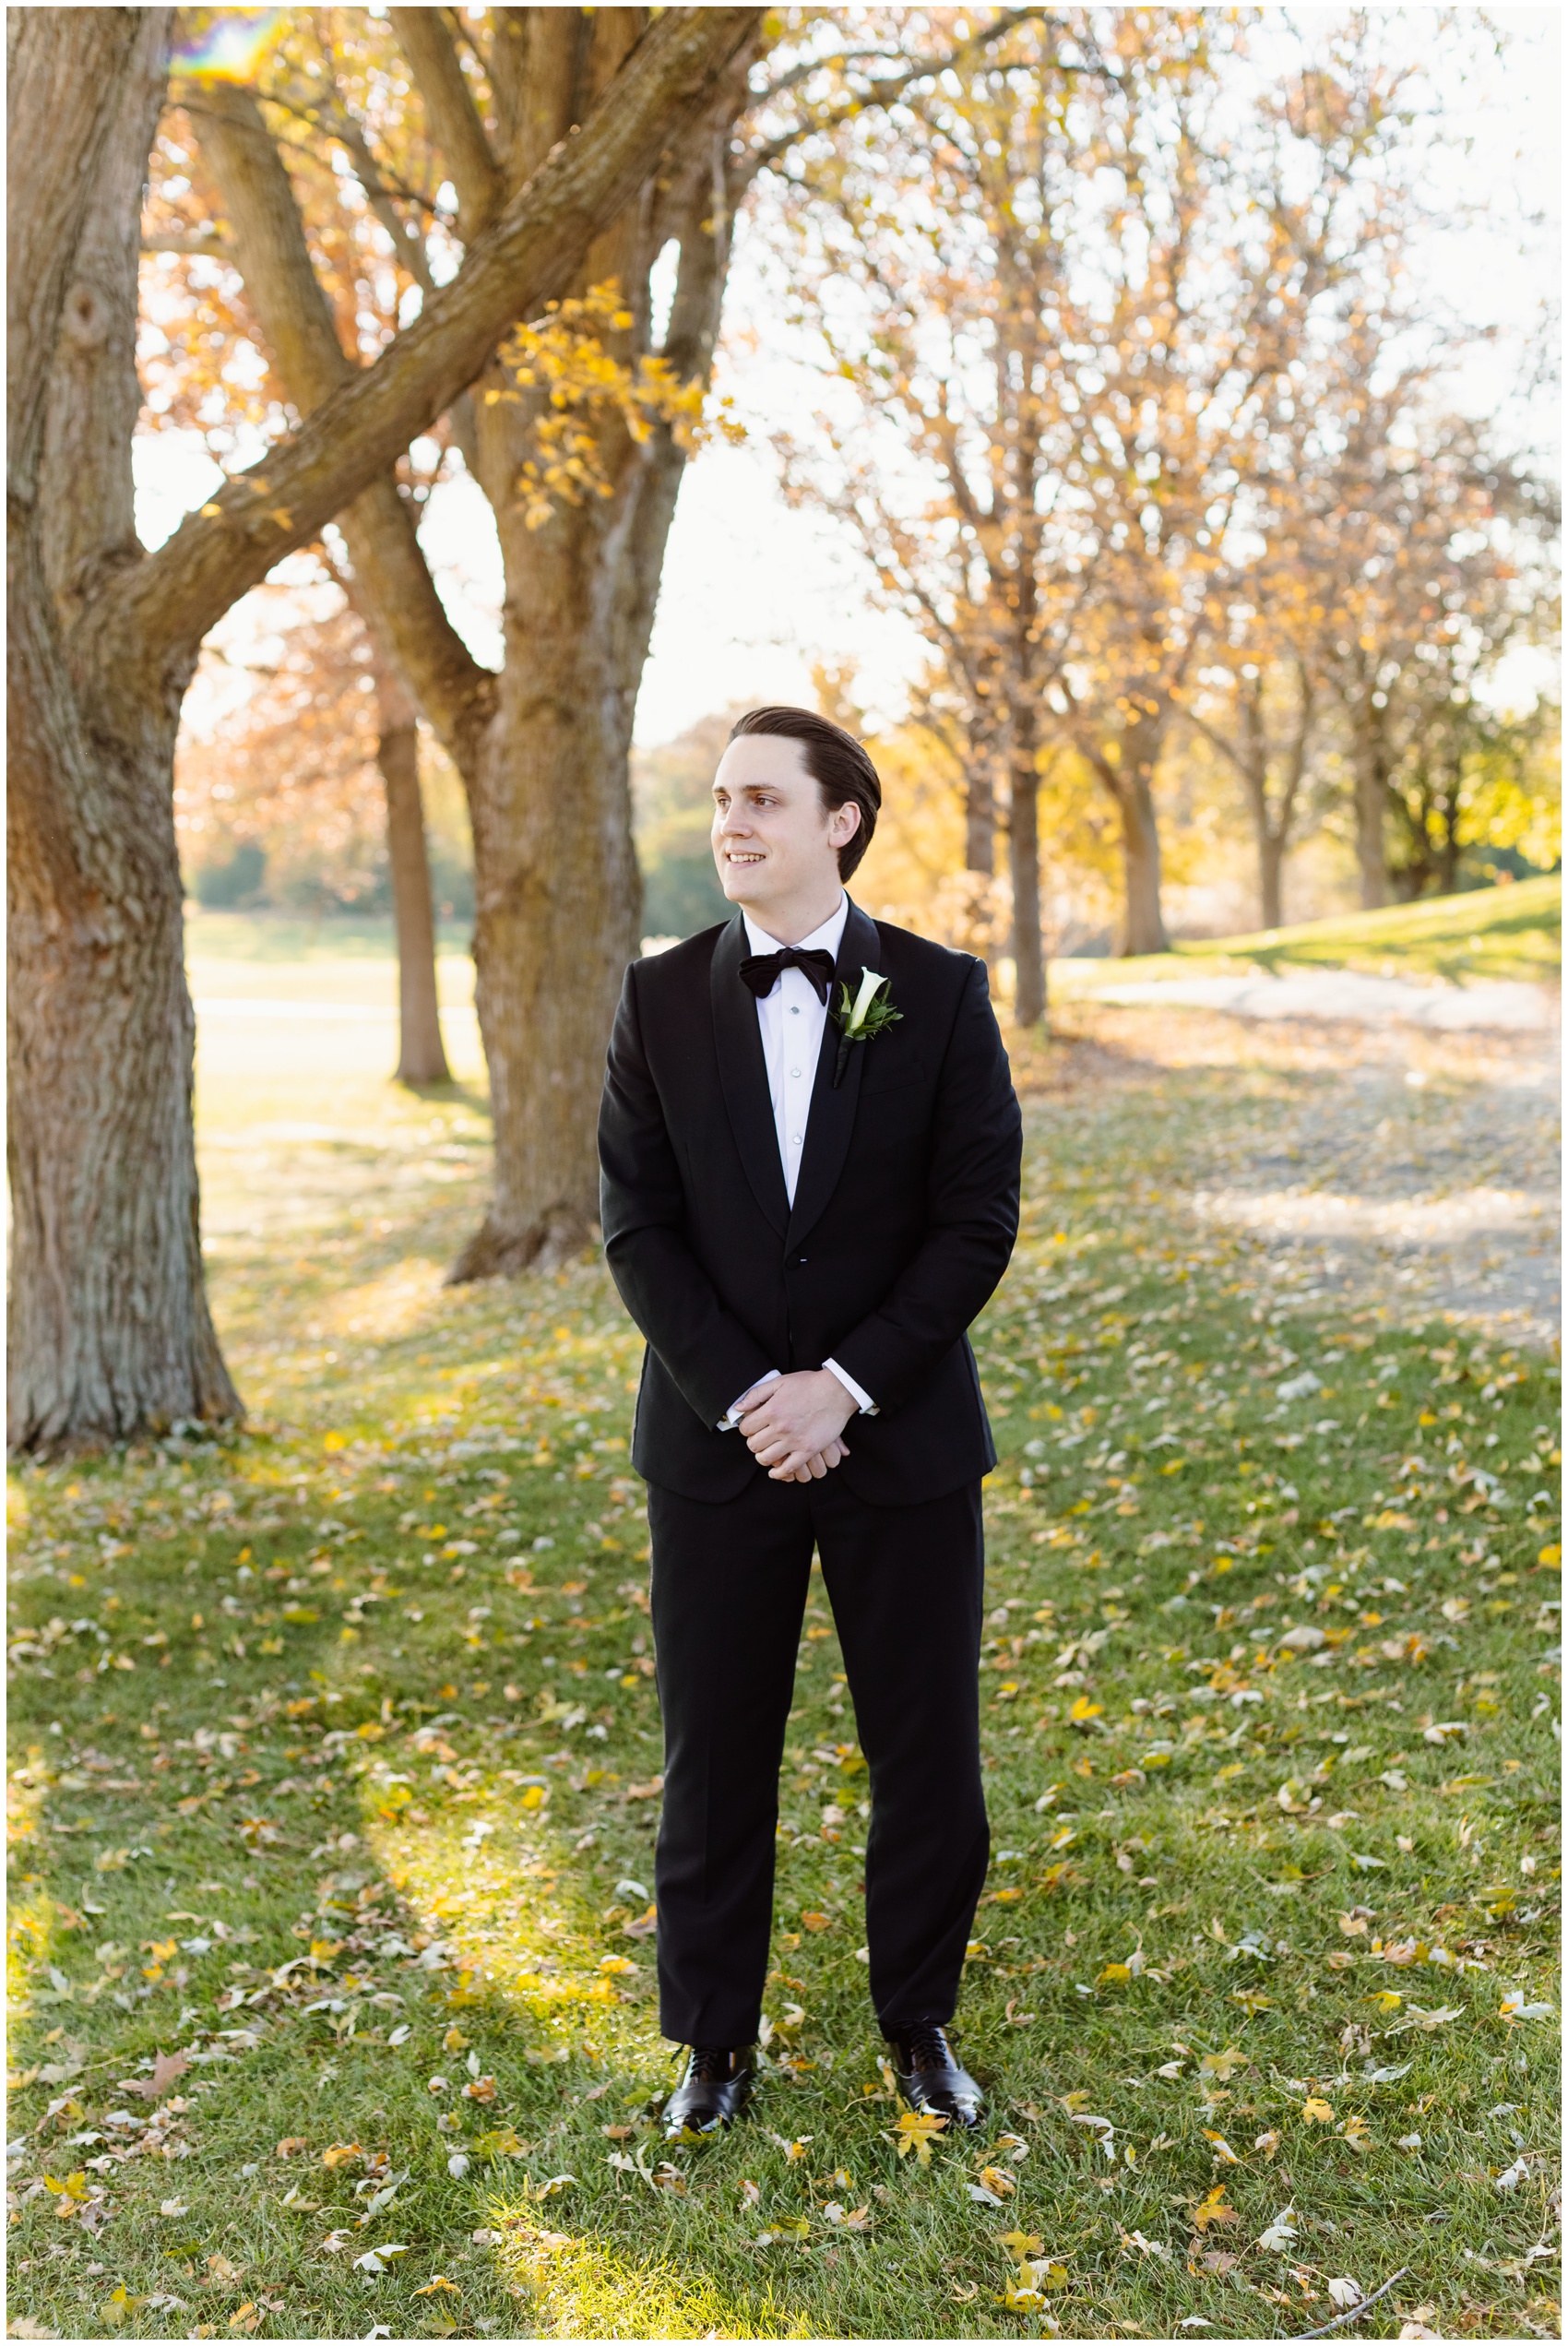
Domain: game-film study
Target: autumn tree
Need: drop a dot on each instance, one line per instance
(1071, 312)
(541, 749)
(109, 1325)
(1389, 545)
(938, 463)
(1466, 781)
(1433, 533)
(579, 434)
(1074, 288)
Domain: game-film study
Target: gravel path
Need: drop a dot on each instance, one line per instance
(1352, 995)
(1415, 1171)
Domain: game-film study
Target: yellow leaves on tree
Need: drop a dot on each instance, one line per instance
(576, 383)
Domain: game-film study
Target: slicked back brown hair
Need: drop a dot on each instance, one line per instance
(836, 763)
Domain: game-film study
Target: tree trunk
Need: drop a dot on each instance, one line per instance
(110, 1324)
(558, 897)
(1271, 877)
(1448, 853)
(558, 894)
(421, 1056)
(1023, 836)
(1370, 763)
(979, 810)
(1143, 916)
(109, 1328)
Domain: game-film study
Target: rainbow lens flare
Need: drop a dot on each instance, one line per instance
(225, 45)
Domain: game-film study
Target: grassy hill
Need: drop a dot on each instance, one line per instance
(1509, 932)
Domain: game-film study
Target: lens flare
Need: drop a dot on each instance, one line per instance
(226, 46)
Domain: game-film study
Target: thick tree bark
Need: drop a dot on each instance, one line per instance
(557, 890)
(110, 1321)
(109, 1328)
(557, 897)
(70, 80)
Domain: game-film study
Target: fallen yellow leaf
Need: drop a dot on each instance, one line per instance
(915, 2132)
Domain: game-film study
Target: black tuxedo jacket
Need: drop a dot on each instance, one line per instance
(905, 1211)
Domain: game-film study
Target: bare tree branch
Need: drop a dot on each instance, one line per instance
(452, 115)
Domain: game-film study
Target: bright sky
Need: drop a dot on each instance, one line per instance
(754, 592)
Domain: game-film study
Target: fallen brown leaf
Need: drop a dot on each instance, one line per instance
(166, 2068)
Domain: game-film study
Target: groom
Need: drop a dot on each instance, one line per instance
(804, 1224)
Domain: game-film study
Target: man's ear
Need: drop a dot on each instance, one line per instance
(843, 823)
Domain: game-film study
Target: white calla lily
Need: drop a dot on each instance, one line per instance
(870, 981)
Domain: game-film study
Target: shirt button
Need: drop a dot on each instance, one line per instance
(796, 1138)
(794, 1071)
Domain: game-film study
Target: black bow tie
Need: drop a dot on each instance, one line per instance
(761, 971)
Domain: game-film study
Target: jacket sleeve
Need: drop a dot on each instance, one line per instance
(711, 1356)
(971, 1213)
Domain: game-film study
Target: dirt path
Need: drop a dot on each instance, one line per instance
(1354, 995)
(1413, 1170)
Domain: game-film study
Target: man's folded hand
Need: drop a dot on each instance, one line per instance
(795, 1426)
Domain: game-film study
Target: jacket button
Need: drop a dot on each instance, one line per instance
(801, 1258)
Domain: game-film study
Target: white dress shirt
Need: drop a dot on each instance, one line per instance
(790, 1020)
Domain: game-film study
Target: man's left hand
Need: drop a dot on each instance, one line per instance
(795, 1419)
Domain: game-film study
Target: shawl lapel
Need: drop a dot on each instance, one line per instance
(832, 1116)
(743, 1074)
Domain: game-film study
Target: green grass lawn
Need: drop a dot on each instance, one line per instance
(285, 939)
(337, 1778)
(1510, 931)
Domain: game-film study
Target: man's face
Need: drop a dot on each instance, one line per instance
(774, 841)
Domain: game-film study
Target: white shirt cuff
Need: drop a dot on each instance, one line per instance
(857, 1393)
(728, 1424)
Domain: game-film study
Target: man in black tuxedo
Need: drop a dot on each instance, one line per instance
(804, 1224)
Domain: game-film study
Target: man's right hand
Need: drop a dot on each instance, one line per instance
(814, 1468)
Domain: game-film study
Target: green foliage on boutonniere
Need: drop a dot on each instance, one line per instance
(862, 1019)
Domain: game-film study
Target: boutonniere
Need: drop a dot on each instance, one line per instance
(862, 1019)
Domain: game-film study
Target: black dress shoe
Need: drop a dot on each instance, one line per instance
(932, 2077)
(712, 2093)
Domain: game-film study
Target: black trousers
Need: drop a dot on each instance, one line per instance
(730, 1584)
